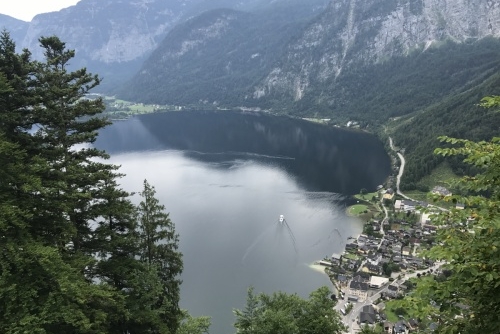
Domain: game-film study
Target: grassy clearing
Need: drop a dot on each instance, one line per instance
(142, 108)
(417, 195)
(440, 176)
(351, 256)
(124, 109)
(358, 209)
(393, 310)
(366, 197)
(366, 209)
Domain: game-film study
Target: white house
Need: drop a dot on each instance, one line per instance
(376, 282)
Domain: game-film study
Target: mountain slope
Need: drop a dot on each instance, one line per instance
(216, 56)
(16, 28)
(457, 116)
(361, 32)
(403, 84)
(319, 65)
(114, 37)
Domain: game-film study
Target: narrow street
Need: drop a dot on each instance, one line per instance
(351, 319)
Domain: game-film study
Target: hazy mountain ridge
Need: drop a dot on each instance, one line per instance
(16, 28)
(113, 37)
(217, 56)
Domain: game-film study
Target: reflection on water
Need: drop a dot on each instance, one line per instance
(319, 157)
(225, 191)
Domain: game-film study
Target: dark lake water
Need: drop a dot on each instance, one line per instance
(226, 177)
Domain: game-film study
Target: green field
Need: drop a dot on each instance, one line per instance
(366, 197)
(351, 256)
(357, 209)
(440, 176)
(124, 109)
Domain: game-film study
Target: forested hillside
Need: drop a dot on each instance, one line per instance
(458, 116)
(216, 57)
(403, 85)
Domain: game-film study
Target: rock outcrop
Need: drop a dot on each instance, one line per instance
(354, 32)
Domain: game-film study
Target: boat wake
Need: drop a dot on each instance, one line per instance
(280, 225)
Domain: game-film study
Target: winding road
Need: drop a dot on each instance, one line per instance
(401, 170)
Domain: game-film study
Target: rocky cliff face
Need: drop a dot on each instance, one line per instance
(110, 37)
(114, 37)
(109, 31)
(354, 32)
(217, 56)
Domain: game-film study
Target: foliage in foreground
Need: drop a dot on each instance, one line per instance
(76, 255)
(465, 298)
(282, 313)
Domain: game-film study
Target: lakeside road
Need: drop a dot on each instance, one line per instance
(401, 169)
(400, 174)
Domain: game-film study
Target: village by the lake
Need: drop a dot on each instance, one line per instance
(381, 265)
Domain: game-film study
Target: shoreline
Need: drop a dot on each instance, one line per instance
(322, 269)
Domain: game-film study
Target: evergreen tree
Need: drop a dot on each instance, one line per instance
(191, 325)
(116, 244)
(289, 314)
(39, 291)
(247, 318)
(74, 259)
(16, 116)
(50, 277)
(67, 123)
(159, 245)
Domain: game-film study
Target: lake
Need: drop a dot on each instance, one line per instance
(226, 177)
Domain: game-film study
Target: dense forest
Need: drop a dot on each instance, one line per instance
(459, 116)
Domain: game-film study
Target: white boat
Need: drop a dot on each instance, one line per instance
(282, 218)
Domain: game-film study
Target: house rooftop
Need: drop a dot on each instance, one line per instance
(367, 318)
(400, 327)
(368, 309)
(378, 280)
(358, 286)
